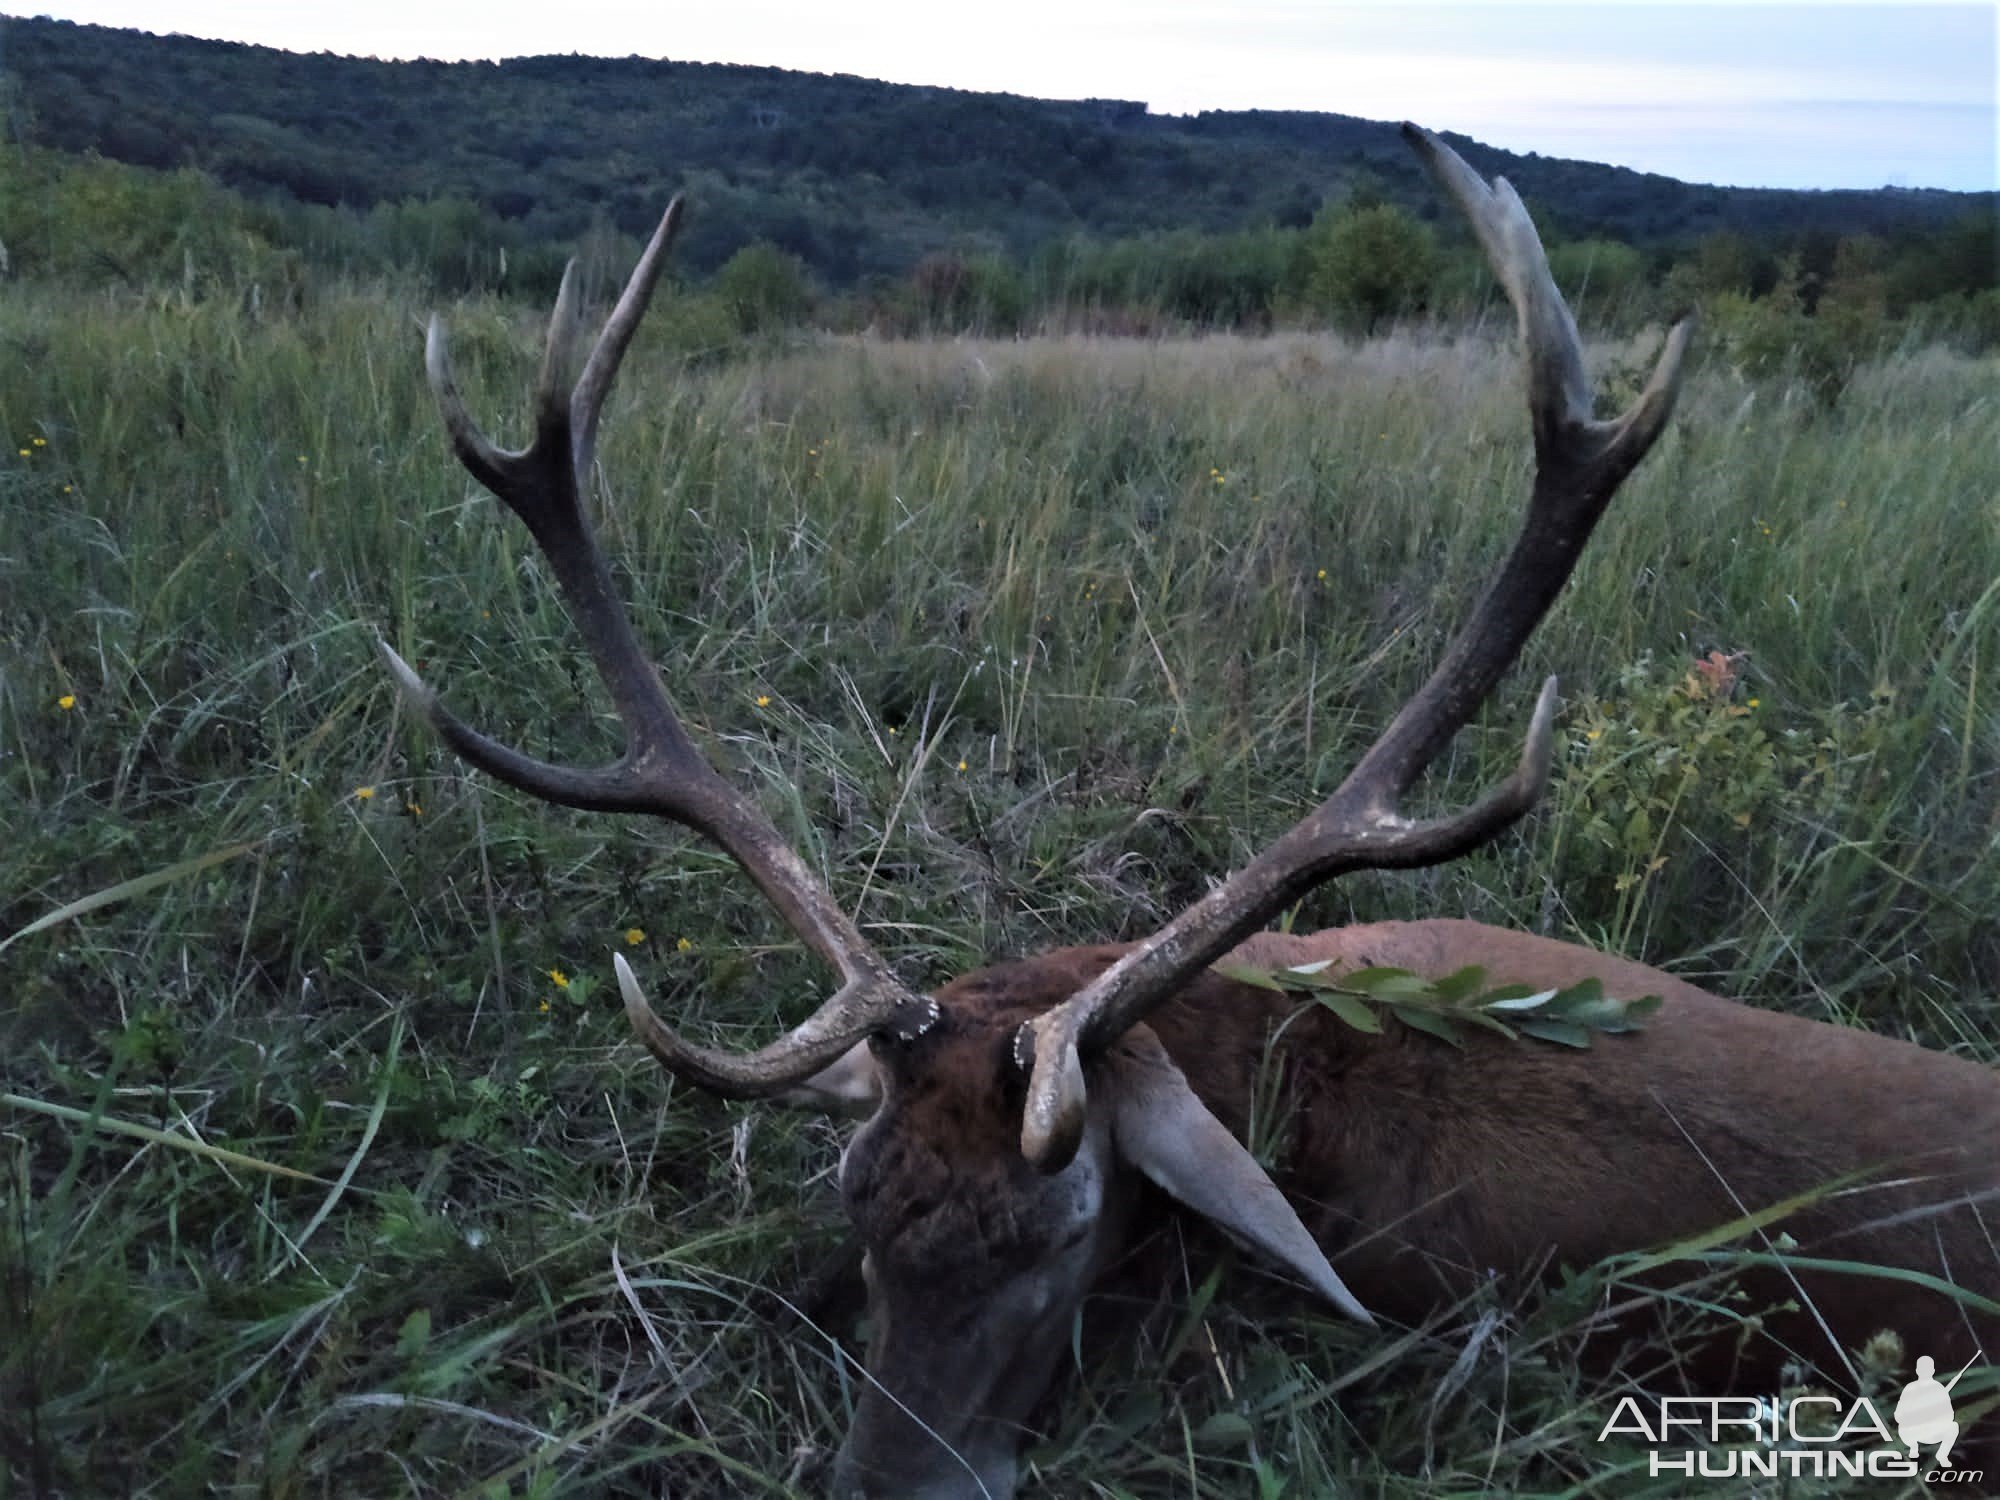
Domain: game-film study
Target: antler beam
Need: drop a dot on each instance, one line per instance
(1579, 464)
(661, 771)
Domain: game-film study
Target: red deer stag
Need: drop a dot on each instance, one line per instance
(1015, 1117)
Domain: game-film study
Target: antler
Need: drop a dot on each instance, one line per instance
(661, 771)
(1579, 463)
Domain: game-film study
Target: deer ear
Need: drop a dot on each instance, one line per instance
(850, 1085)
(1160, 1126)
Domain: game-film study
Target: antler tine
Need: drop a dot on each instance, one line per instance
(820, 1038)
(661, 771)
(1579, 464)
(587, 403)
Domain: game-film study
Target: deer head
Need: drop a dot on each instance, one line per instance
(1008, 1130)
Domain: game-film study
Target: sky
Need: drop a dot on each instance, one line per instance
(1809, 94)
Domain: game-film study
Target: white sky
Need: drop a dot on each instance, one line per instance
(1781, 94)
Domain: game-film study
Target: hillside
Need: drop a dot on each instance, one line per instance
(856, 177)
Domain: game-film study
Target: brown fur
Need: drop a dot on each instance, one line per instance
(1422, 1168)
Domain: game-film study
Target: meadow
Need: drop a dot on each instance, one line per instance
(329, 1166)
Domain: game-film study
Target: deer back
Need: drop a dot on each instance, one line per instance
(1423, 1168)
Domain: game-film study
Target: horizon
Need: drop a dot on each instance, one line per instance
(1823, 97)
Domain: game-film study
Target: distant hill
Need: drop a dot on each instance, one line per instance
(856, 177)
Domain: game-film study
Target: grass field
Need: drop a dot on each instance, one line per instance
(328, 1166)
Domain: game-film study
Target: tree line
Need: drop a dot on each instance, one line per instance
(1815, 298)
(857, 179)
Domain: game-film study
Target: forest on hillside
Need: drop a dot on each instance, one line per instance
(136, 161)
(854, 177)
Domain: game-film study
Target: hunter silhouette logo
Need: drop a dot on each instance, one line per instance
(1804, 1436)
(1923, 1411)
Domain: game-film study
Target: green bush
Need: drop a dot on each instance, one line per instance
(1680, 782)
(1820, 344)
(1372, 263)
(763, 288)
(99, 223)
(1602, 279)
(954, 293)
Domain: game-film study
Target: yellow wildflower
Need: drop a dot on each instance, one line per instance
(1322, 575)
(41, 442)
(66, 702)
(364, 794)
(1756, 702)
(24, 453)
(961, 765)
(634, 936)
(559, 979)
(683, 946)
(544, 1007)
(763, 700)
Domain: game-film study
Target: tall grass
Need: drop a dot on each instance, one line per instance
(1022, 643)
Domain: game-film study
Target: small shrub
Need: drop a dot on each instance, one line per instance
(955, 293)
(763, 288)
(1373, 263)
(1677, 778)
(1775, 336)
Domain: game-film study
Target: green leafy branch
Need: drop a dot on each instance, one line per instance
(1439, 1007)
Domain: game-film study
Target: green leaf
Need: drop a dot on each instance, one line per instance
(1639, 831)
(1515, 1004)
(1565, 1016)
(1261, 979)
(1480, 1019)
(1139, 1410)
(1429, 1023)
(1568, 1033)
(1577, 1000)
(1352, 1009)
(1386, 984)
(1458, 987)
(113, 1125)
(124, 890)
(1300, 982)
(341, 1183)
(1606, 1015)
(414, 1334)
(1225, 1429)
